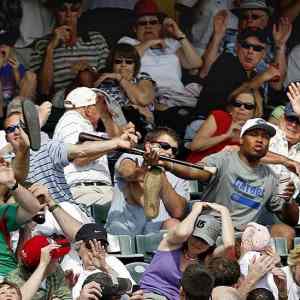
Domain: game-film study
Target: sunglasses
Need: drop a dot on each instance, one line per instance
(293, 119)
(73, 8)
(256, 48)
(150, 22)
(248, 106)
(253, 17)
(11, 129)
(128, 61)
(166, 146)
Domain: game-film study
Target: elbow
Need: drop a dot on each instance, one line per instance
(196, 147)
(179, 211)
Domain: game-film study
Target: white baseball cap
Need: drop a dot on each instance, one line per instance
(258, 123)
(80, 97)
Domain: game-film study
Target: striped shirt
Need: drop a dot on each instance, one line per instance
(94, 51)
(67, 130)
(47, 167)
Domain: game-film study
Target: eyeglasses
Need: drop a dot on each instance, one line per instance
(253, 17)
(256, 48)
(11, 129)
(293, 119)
(248, 106)
(73, 8)
(166, 146)
(128, 61)
(148, 22)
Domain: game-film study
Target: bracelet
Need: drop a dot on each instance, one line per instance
(53, 207)
(14, 187)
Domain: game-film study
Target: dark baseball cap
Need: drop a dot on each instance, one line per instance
(289, 111)
(110, 285)
(8, 38)
(91, 231)
(261, 34)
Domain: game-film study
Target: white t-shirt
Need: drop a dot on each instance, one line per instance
(67, 130)
(162, 65)
(113, 262)
(292, 287)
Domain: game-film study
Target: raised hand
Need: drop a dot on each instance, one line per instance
(172, 29)
(282, 31)
(220, 23)
(61, 34)
(91, 291)
(46, 254)
(98, 256)
(294, 96)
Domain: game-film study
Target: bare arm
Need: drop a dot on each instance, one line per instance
(68, 224)
(187, 172)
(46, 71)
(141, 93)
(212, 51)
(87, 152)
(227, 227)
(130, 171)
(31, 286)
(188, 55)
(281, 33)
(177, 236)
(204, 138)
(174, 203)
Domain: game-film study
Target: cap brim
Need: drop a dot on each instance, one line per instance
(269, 129)
(238, 11)
(205, 237)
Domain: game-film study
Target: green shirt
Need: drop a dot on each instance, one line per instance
(8, 260)
(54, 287)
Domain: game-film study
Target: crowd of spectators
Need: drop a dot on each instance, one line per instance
(131, 104)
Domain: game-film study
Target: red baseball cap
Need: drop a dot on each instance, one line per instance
(31, 251)
(145, 7)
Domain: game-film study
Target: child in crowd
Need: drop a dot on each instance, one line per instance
(256, 241)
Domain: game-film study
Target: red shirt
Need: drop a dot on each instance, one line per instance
(223, 120)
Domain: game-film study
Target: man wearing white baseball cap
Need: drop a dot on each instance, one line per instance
(242, 183)
(89, 177)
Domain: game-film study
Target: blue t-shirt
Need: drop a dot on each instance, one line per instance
(9, 85)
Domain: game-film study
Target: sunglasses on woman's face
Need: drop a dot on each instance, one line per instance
(166, 146)
(256, 48)
(128, 61)
(148, 22)
(238, 103)
(11, 129)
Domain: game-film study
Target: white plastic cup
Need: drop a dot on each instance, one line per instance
(283, 183)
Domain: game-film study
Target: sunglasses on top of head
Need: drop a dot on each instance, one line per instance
(256, 48)
(119, 61)
(238, 103)
(148, 22)
(166, 146)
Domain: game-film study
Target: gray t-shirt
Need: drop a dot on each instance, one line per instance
(242, 189)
